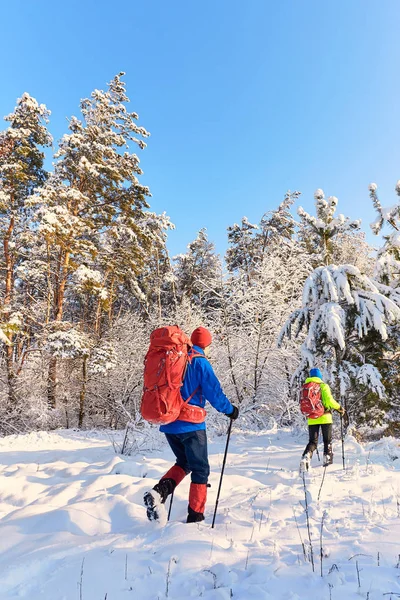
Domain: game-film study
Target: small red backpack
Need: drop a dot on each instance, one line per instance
(164, 370)
(310, 400)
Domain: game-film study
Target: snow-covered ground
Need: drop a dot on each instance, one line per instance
(73, 526)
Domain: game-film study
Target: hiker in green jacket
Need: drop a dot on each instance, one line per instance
(324, 421)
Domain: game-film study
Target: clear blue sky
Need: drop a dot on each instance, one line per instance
(244, 99)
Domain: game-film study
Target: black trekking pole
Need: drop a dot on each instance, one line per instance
(222, 473)
(170, 506)
(319, 459)
(341, 432)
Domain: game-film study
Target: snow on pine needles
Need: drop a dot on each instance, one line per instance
(73, 525)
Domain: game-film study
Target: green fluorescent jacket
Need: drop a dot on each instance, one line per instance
(327, 400)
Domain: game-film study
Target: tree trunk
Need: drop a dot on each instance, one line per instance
(49, 284)
(228, 346)
(61, 288)
(52, 383)
(11, 375)
(326, 250)
(82, 395)
(58, 309)
(98, 316)
(97, 321)
(110, 306)
(257, 374)
(158, 285)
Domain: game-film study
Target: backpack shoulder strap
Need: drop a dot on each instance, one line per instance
(192, 395)
(193, 354)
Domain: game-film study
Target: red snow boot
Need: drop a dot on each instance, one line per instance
(197, 502)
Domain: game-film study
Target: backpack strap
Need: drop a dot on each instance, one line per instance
(195, 354)
(192, 356)
(192, 395)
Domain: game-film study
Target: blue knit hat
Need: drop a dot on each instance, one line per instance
(315, 373)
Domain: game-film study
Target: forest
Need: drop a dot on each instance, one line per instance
(85, 276)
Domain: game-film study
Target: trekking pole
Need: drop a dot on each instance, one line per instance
(170, 506)
(322, 482)
(319, 459)
(222, 473)
(341, 432)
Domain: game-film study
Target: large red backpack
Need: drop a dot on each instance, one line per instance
(310, 400)
(164, 370)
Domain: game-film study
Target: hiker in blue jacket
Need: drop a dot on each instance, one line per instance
(188, 440)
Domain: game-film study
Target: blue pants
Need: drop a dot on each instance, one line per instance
(191, 453)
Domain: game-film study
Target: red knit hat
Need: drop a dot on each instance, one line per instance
(201, 337)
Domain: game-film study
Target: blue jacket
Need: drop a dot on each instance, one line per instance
(200, 374)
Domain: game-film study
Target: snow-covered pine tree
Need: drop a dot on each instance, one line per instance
(134, 286)
(155, 288)
(21, 171)
(198, 272)
(319, 233)
(242, 254)
(387, 268)
(249, 242)
(346, 319)
(92, 214)
(275, 224)
(387, 274)
(352, 247)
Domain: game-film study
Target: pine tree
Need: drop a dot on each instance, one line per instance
(387, 275)
(276, 224)
(319, 233)
(351, 247)
(248, 242)
(346, 318)
(157, 283)
(197, 272)
(242, 254)
(387, 269)
(21, 171)
(92, 214)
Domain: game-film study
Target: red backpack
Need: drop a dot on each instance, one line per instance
(164, 370)
(310, 400)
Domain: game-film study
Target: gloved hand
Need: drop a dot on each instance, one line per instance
(341, 411)
(234, 415)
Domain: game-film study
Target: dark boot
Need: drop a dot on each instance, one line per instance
(197, 502)
(163, 489)
(193, 516)
(155, 498)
